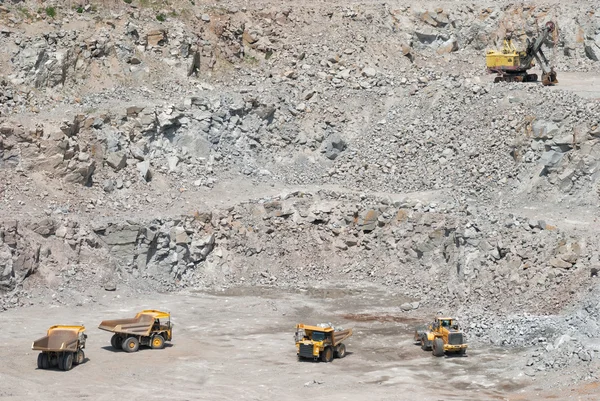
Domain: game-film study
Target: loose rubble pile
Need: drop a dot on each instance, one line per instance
(409, 170)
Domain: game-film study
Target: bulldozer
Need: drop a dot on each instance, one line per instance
(512, 65)
(321, 342)
(441, 336)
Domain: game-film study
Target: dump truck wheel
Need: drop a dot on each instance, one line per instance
(340, 351)
(45, 361)
(80, 356)
(158, 342)
(438, 347)
(116, 341)
(327, 354)
(53, 361)
(40, 361)
(67, 361)
(131, 344)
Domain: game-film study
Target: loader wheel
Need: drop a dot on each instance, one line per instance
(80, 356)
(131, 344)
(340, 351)
(158, 342)
(40, 361)
(116, 341)
(424, 346)
(67, 362)
(327, 354)
(438, 347)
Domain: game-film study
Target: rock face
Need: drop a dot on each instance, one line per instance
(19, 257)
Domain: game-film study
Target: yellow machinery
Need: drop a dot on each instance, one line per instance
(443, 335)
(321, 342)
(512, 65)
(144, 329)
(62, 346)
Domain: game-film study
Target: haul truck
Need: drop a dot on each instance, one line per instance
(62, 346)
(321, 342)
(149, 327)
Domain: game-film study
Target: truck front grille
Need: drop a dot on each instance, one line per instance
(455, 338)
(306, 350)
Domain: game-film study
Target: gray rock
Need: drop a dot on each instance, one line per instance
(544, 129)
(408, 306)
(559, 263)
(368, 220)
(369, 72)
(173, 161)
(334, 145)
(108, 186)
(137, 153)
(592, 50)
(551, 158)
(45, 227)
(144, 169)
(116, 160)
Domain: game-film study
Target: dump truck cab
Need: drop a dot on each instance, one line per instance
(149, 327)
(442, 335)
(320, 342)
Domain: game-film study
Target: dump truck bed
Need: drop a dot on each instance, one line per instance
(339, 336)
(140, 325)
(59, 338)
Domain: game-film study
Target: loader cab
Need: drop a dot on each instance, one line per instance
(443, 323)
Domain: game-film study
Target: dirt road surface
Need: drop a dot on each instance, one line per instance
(238, 344)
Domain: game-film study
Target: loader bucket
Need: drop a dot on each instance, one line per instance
(549, 78)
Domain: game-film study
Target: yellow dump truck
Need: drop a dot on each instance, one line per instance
(321, 342)
(62, 346)
(149, 327)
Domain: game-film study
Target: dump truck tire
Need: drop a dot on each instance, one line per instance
(39, 361)
(438, 347)
(79, 357)
(45, 361)
(158, 342)
(67, 362)
(131, 344)
(340, 351)
(327, 354)
(116, 341)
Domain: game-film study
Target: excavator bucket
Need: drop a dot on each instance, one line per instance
(549, 78)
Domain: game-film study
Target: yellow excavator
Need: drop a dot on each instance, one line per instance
(512, 65)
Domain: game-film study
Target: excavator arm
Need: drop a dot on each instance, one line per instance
(534, 50)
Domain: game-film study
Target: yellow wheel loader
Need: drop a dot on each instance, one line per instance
(322, 342)
(443, 335)
(61, 347)
(144, 329)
